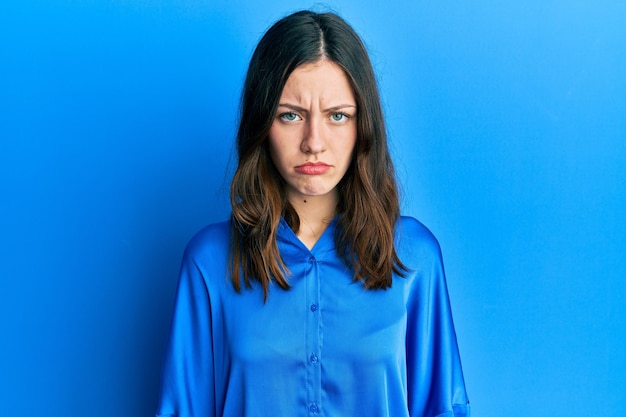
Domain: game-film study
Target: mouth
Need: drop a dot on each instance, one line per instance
(312, 168)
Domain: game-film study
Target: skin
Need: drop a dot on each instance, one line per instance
(311, 142)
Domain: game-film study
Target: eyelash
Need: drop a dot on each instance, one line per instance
(345, 117)
(283, 116)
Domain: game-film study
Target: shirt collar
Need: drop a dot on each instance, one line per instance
(290, 245)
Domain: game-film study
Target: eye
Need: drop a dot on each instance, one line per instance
(339, 117)
(288, 117)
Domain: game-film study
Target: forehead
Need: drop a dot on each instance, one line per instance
(319, 80)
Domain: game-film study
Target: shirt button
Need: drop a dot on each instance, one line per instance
(313, 408)
(311, 260)
(313, 358)
(314, 307)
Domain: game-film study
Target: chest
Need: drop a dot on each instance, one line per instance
(324, 314)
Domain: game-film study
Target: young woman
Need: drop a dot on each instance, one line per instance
(316, 298)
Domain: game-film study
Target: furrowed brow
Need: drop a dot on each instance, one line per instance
(292, 107)
(339, 107)
(328, 110)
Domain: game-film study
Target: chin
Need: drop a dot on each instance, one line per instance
(313, 193)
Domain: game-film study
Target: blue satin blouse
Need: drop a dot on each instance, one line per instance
(326, 347)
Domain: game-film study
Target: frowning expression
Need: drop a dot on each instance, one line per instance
(314, 131)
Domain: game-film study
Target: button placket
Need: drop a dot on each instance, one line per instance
(313, 337)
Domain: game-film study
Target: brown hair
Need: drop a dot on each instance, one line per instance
(368, 198)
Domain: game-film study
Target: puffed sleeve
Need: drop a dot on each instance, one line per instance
(434, 376)
(187, 382)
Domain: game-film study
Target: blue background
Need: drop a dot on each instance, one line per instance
(508, 126)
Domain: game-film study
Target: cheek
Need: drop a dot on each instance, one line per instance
(350, 148)
(277, 155)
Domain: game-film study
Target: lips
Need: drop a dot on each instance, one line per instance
(312, 168)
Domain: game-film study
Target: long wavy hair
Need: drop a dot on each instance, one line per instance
(368, 207)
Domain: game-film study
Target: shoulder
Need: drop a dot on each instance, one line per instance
(411, 230)
(212, 241)
(414, 241)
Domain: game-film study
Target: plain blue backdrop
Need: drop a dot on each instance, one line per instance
(507, 123)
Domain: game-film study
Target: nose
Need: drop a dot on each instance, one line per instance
(313, 141)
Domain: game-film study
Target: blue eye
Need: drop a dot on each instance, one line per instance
(339, 117)
(288, 116)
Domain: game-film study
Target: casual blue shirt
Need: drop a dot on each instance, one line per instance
(325, 347)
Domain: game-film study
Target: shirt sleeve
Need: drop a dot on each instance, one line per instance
(434, 376)
(187, 387)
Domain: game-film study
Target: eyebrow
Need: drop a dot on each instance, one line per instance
(330, 109)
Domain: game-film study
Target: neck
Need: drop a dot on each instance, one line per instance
(315, 214)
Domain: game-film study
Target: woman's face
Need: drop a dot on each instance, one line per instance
(314, 132)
